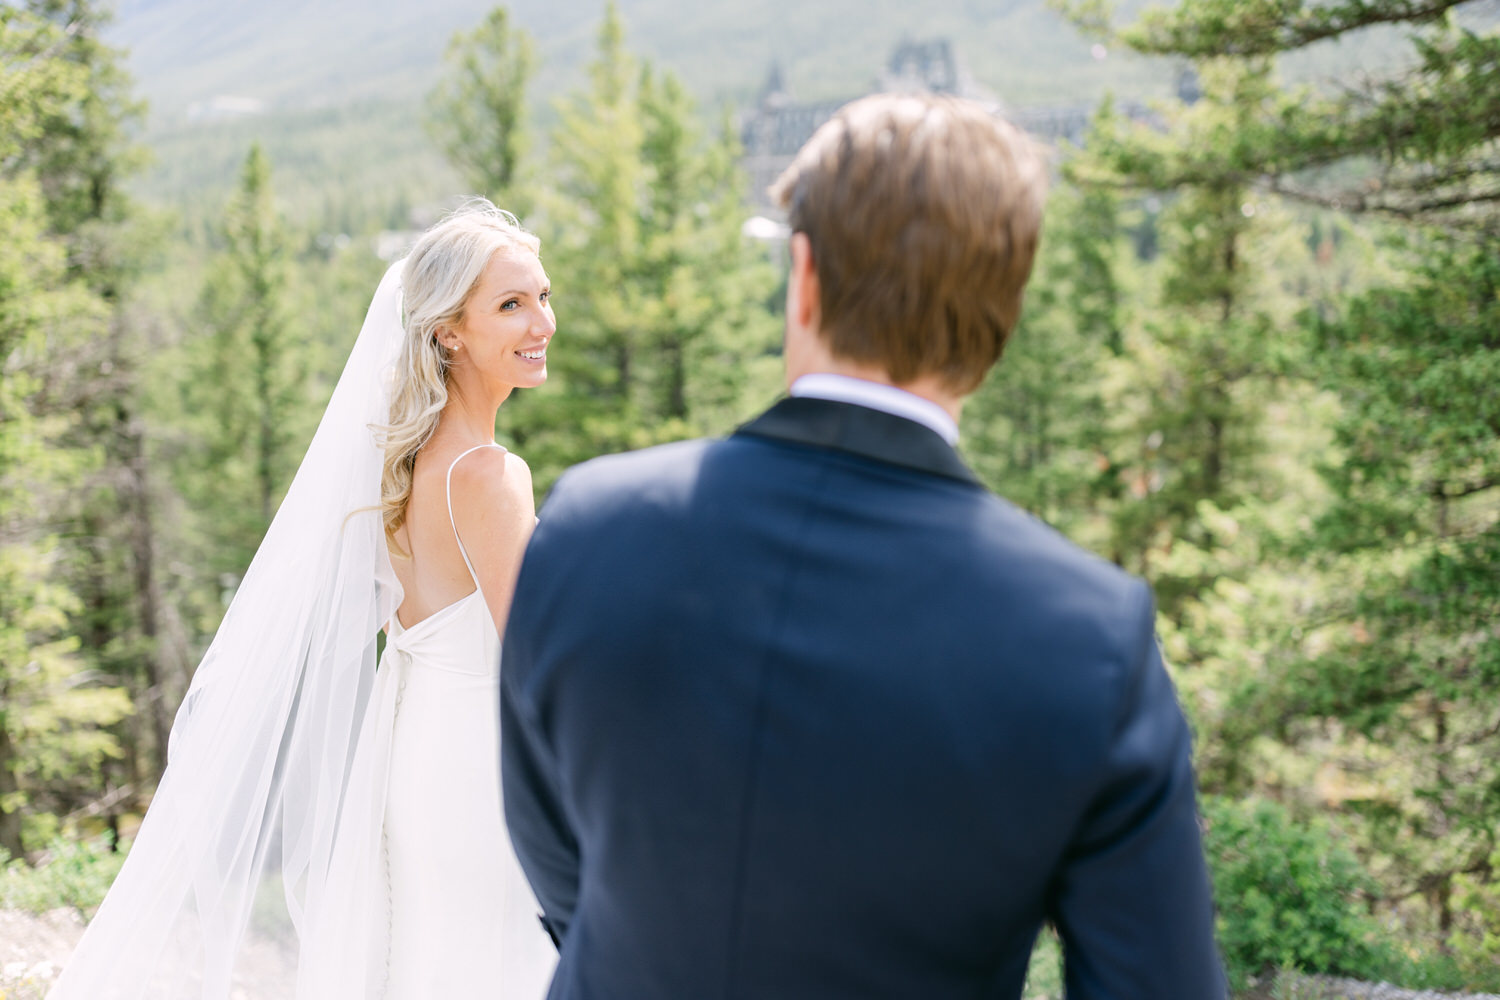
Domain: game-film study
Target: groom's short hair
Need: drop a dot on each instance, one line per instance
(924, 213)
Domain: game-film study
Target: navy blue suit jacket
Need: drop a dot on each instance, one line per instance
(808, 713)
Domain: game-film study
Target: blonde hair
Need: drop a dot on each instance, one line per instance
(924, 214)
(439, 276)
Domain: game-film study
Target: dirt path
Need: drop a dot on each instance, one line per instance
(32, 950)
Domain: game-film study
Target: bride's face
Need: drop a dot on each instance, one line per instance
(508, 321)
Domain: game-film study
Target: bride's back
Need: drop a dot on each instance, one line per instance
(432, 570)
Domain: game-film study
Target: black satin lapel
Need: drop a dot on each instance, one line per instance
(860, 430)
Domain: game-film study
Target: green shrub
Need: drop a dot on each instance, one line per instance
(1287, 893)
(1433, 970)
(1475, 941)
(74, 873)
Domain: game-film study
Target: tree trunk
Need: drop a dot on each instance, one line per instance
(10, 821)
(148, 596)
(677, 390)
(265, 447)
(1213, 463)
(622, 366)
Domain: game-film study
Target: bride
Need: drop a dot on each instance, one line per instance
(327, 829)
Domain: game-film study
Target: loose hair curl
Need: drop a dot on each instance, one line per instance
(439, 276)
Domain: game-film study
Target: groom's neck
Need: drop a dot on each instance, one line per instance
(821, 362)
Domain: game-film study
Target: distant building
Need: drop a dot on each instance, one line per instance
(779, 125)
(928, 66)
(224, 107)
(772, 134)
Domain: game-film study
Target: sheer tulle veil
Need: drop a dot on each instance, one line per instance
(233, 872)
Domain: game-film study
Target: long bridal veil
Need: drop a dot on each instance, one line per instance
(233, 871)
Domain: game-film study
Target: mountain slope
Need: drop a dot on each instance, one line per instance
(297, 55)
(341, 82)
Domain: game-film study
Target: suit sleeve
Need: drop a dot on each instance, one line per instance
(540, 831)
(1132, 902)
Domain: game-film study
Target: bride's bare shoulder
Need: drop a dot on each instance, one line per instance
(494, 513)
(492, 481)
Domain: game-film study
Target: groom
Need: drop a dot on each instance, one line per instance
(807, 713)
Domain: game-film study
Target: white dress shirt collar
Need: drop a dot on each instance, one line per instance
(877, 396)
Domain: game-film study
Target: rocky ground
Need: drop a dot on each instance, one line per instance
(1295, 987)
(33, 948)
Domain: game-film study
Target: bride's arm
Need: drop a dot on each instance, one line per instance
(495, 513)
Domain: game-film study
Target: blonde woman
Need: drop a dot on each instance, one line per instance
(328, 828)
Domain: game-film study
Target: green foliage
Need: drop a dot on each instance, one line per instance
(1429, 127)
(1477, 942)
(1036, 423)
(32, 83)
(1348, 659)
(1412, 658)
(247, 378)
(83, 150)
(74, 873)
(1264, 27)
(50, 714)
(661, 302)
(1212, 345)
(343, 172)
(478, 112)
(1287, 893)
(1335, 637)
(83, 158)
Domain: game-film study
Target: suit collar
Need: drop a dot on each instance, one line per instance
(885, 437)
(878, 396)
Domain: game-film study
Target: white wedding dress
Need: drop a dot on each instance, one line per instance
(452, 913)
(457, 899)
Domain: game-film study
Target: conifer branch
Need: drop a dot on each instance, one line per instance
(1263, 27)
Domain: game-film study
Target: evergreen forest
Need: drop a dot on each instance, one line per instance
(1259, 365)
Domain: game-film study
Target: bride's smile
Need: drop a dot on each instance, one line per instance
(508, 323)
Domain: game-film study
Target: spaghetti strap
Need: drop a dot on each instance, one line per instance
(448, 490)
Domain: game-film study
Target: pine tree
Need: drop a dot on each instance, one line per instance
(595, 238)
(703, 287)
(1377, 667)
(82, 159)
(1413, 659)
(1417, 145)
(85, 154)
(478, 112)
(1213, 340)
(52, 711)
(1036, 431)
(247, 380)
(661, 302)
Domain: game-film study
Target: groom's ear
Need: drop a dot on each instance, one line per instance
(803, 293)
(803, 350)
